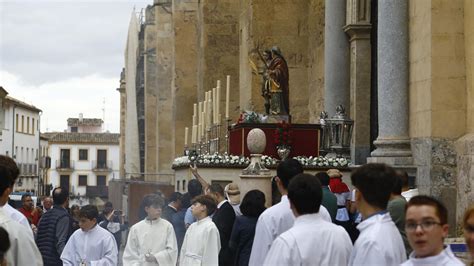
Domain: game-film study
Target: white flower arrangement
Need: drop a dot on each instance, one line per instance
(224, 160)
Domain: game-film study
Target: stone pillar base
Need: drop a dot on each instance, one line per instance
(392, 151)
(464, 148)
(260, 182)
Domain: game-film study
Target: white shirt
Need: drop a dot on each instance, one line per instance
(16, 215)
(23, 249)
(94, 247)
(297, 245)
(410, 193)
(201, 244)
(236, 209)
(156, 237)
(444, 258)
(271, 223)
(342, 213)
(379, 243)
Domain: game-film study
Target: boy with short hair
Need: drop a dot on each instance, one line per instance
(297, 245)
(426, 225)
(201, 243)
(92, 245)
(151, 241)
(374, 183)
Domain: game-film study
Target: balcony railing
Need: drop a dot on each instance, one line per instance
(97, 191)
(102, 166)
(28, 169)
(64, 165)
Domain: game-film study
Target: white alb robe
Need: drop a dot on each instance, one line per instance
(16, 215)
(271, 223)
(201, 244)
(94, 247)
(23, 249)
(379, 243)
(155, 237)
(297, 245)
(446, 257)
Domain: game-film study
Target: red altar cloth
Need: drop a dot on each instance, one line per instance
(305, 139)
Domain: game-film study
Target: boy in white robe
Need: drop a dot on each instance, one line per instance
(92, 245)
(151, 241)
(201, 243)
(278, 218)
(426, 225)
(379, 242)
(297, 245)
(23, 250)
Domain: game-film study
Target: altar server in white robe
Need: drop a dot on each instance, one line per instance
(92, 245)
(201, 243)
(311, 240)
(23, 250)
(151, 241)
(426, 225)
(278, 218)
(379, 242)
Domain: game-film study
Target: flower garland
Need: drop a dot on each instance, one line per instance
(224, 160)
(282, 134)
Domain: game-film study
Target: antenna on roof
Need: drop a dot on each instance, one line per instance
(103, 114)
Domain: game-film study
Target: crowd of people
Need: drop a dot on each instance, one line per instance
(319, 220)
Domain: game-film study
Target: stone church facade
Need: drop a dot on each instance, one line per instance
(403, 70)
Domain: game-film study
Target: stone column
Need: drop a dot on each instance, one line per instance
(358, 28)
(336, 57)
(393, 142)
(123, 109)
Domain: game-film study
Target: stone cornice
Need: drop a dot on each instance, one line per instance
(358, 31)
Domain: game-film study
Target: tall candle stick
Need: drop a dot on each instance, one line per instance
(199, 113)
(218, 102)
(193, 136)
(214, 94)
(227, 98)
(186, 132)
(195, 109)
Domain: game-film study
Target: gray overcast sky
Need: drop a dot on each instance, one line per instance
(65, 57)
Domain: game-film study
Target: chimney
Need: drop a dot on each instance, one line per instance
(80, 117)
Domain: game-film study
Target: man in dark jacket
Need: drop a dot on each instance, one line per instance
(224, 218)
(173, 206)
(55, 228)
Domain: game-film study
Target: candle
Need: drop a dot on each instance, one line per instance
(193, 136)
(218, 102)
(208, 113)
(195, 109)
(186, 132)
(219, 119)
(214, 108)
(194, 120)
(204, 122)
(199, 113)
(227, 94)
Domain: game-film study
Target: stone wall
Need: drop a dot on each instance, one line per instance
(465, 145)
(185, 20)
(315, 60)
(440, 81)
(218, 55)
(165, 130)
(436, 162)
(151, 90)
(296, 27)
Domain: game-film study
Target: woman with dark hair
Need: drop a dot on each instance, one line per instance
(243, 231)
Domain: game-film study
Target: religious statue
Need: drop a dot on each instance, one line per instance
(275, 88)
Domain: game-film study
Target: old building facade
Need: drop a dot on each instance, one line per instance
(83, 159)
(403, 70)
